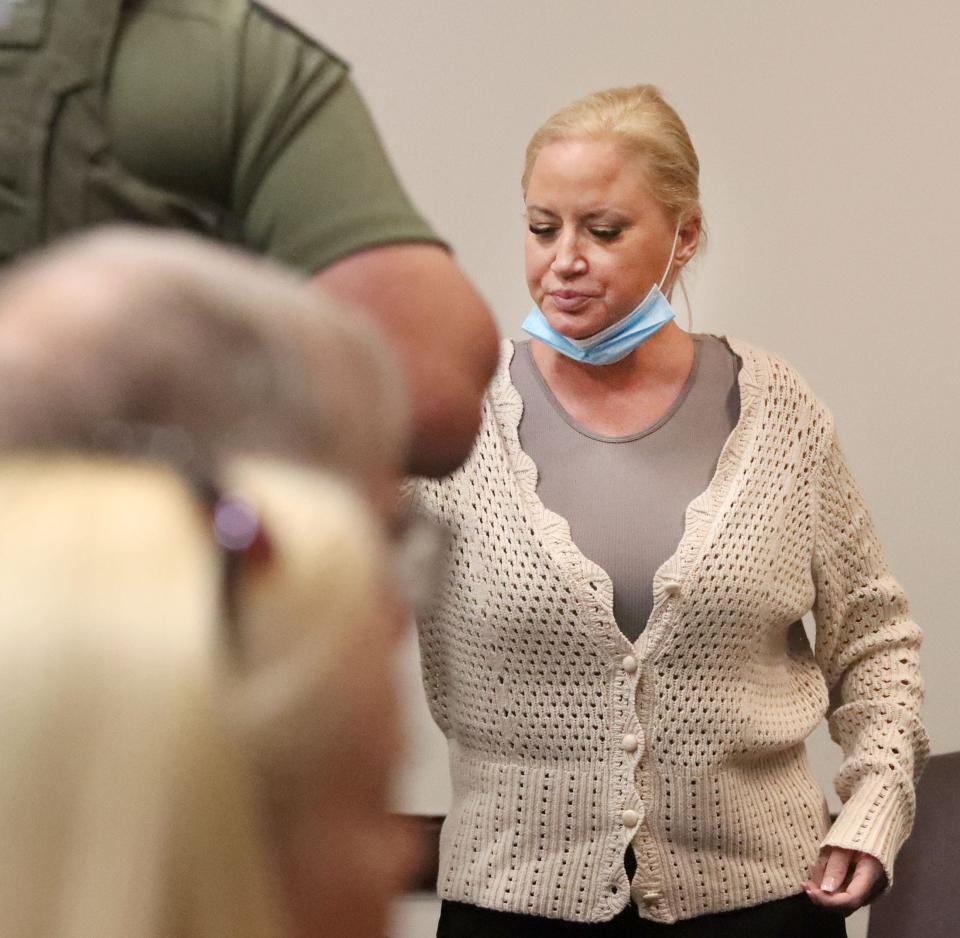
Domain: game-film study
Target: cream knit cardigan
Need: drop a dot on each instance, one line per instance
(567, 743)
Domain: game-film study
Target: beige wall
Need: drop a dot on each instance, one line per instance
(828, 137)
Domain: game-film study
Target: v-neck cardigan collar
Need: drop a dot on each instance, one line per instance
(587, 577)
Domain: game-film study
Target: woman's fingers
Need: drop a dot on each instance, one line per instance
(816, 874)
(854, 879)
(835, 874)
(868, 878)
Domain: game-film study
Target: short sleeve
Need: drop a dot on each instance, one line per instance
(312, 183)
(227, 105)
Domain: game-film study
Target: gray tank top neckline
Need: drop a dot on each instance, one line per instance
(625, 498)
(526, 349)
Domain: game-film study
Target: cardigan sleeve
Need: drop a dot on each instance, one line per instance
(867, 646)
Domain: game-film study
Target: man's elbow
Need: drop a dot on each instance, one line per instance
(486, 351)
(442, 332)
(477, 346)
(445, 430)
(448, 395)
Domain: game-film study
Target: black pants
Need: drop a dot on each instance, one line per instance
(796, 917)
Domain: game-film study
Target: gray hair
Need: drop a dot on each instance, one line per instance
(162, 345)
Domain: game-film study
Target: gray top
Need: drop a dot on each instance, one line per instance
(625, 498)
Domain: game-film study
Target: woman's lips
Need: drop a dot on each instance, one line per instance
(568, 301)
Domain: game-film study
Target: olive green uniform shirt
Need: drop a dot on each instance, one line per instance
(258, 124)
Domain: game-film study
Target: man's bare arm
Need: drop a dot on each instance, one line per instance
(442, 332)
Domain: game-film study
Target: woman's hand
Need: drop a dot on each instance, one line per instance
(845, 880)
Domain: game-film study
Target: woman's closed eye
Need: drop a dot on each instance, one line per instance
(606, 233)
(602, 234)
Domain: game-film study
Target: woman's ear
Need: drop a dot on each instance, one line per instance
(688, 239)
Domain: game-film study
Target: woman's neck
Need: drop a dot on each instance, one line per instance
(627, 396)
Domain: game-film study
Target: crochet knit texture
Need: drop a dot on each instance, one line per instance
(567, 743)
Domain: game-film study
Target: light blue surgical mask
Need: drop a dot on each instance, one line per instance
(618, 340)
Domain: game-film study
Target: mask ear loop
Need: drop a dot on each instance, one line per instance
(673, 254)
(683, 286)
(686, 302)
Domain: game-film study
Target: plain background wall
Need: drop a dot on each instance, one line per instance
(828, 139)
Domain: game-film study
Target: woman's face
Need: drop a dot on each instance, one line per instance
(598, 240)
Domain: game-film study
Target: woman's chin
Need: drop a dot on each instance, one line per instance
(572, 326)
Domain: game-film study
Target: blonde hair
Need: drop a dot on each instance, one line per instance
(641, 120)
(136, 752)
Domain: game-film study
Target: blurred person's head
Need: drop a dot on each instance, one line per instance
(165, 346)
(163, 775)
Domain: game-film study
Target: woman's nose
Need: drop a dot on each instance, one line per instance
(568, 261)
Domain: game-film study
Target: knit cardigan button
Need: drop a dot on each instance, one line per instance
(630, 743)
(630, 818)
(630, 664)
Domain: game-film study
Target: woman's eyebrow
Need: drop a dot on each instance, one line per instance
(608, 214)
(541, 210)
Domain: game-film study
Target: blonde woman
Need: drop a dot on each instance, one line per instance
(618, 661)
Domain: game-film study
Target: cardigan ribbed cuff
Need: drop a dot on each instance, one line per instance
(876, 819)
